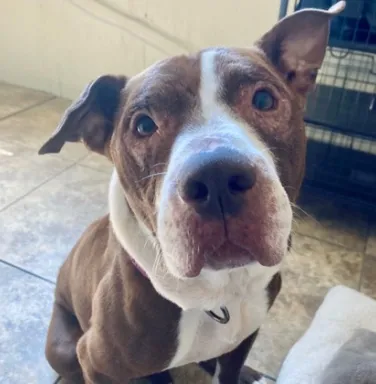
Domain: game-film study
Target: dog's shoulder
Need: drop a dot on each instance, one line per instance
(89, 258)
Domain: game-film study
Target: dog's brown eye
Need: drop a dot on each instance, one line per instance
(145, 126)
(263, 100)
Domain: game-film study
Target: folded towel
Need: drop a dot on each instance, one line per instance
(343, 312)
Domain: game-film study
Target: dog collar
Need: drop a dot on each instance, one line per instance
(224, 319)
(138, 267)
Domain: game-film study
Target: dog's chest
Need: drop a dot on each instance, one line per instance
(202, 338)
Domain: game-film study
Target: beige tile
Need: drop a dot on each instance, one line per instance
(329, 262)
(33, 127)
(38, 232)
(22, 170)
(371, 241)
(368, 281)
(14, 98)
(25, 307)
(98, 162)
(333, 221)
(308, 274)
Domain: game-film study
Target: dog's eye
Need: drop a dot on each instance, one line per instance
(145, 126)
(263, 100)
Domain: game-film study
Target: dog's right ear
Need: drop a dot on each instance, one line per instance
(90, 118)
(296, 45)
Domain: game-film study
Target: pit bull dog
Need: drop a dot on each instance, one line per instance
(209, 155)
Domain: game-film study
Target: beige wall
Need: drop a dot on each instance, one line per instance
(60, 45)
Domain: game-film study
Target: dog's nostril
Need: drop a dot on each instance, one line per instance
(196, 191)
(241, 183)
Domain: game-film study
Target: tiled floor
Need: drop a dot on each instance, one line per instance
(46, 202)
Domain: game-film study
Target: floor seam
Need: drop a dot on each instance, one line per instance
(28, 108)
(94, 169)
(362, 272)
(24, 270)
(364, 255)
(3, 209)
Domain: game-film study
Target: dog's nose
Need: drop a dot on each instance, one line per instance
(215, 183)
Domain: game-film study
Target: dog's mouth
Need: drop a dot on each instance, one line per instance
(229, 255)
(225, 256)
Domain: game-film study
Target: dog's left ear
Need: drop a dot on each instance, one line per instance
(90, 118)
(296, 45)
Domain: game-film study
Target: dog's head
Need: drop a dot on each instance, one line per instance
(210, 148)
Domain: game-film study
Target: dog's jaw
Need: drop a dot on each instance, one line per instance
(209, 290)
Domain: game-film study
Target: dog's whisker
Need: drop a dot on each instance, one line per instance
(152, 175)
(158, 164)
(295, 206)
(156, 264)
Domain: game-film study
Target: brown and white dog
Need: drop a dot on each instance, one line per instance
(208, 151)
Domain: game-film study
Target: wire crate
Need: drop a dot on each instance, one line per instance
(341, 112)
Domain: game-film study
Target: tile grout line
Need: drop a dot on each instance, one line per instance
(38, 186)
(361, 273)
(364, 254)
(20, 198)
(28, 108)
(94, 168)
(27, 272)
(369, 231)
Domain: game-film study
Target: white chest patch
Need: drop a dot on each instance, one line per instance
(202, 338)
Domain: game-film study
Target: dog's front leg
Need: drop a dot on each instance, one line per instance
(94, 360)
(230, 368)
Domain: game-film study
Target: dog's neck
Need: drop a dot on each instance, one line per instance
(208, 291)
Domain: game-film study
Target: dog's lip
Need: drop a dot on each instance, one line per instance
(240, 256)
(221, 257)
(195, 268)
(228, 255)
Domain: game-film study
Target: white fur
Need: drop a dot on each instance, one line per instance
(242, 290)
(212, 110)
(215, 379)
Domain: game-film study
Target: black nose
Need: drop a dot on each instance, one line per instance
(215, 183)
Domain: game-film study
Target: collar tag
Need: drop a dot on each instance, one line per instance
(224, 319)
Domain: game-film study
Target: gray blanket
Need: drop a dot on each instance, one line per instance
(355, 362)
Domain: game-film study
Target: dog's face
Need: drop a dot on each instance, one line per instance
(210, 147)
(205, 146)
